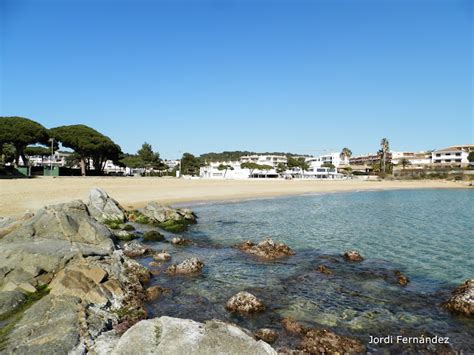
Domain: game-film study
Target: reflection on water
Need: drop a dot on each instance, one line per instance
(425, 234)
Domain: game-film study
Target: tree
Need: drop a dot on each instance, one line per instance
(7, 153)
(303, 165)
(149, 158)
(404, 162)
(225, 167)
(293, 163)
(281, 168)
(251, 166)
(190, 164)
(346, 153)
(470, 157)
(384, 149)
(21, 132)
(88, 144)
(132, 161)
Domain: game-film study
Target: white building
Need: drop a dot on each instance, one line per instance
(330, 158)
(454, 155)
(416, 159)
(272, 160)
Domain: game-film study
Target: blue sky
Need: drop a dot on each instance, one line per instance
(199, 76)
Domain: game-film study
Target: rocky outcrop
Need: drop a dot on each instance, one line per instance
(462, 299)
(166, 335)
(188, 266)
(321, 341)
(104, 208)
(353, 255)
(154, 292)
(92, 285)
(267, 335)
(267, 249)
(245, 302)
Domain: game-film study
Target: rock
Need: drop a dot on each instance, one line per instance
(245, 302)
(180, 241)
(267, 249)
(104, 208)
(188, 266)
(44, 243)
(462, 299)
(137, 217)
(401, 279)
(323, 269)
(21, 286)
(267, 335)
(126, 227)
(10, 301)
(166, 335)
(162, 256)
(124, 235)
(292, 326)
(154, 264)
(321, 341)
(81, 280)
(160, 213)
(154, 236)
(353, 255)
(154, 292)
(135, 249)
(49, 326)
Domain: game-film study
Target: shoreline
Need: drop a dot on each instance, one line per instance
(20, 196)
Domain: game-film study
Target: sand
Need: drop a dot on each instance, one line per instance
(21, 195)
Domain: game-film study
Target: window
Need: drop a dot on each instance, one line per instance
(447, 161)
(438, 155)
(458, 160)
(438, 161)
(448, 153)
(458, 154)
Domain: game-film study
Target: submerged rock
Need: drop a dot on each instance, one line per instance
(462, 299)
(245, 302)
(162, 256)
(124, 235)
(323, 269)
(154, 292)
(104, 208)
(267, 249)
(267, 335)
(180, 241)
(166, 335)
(188, 266)
(401, 279)
(153, 236)
(322, 341)
(353, 255)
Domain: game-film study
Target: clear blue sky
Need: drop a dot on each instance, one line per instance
(202, 76)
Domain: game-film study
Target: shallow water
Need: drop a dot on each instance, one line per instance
(427, 234)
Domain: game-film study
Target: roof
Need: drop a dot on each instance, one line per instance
(456, 148)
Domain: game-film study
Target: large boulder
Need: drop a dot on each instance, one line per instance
(245, 302)
(50, 326)
(104, 208)
(10, 301)
(159, 213)
(166, 335)
(45, 243)
(267, 249)
(462, 299)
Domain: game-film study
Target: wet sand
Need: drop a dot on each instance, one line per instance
(20, 195)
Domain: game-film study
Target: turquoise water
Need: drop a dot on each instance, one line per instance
(427, 234)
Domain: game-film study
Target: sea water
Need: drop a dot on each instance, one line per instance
(428, 235)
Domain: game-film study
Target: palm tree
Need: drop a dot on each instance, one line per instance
(384, 149)
(345, 153)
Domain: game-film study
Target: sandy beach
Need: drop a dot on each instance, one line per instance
(19, 196)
